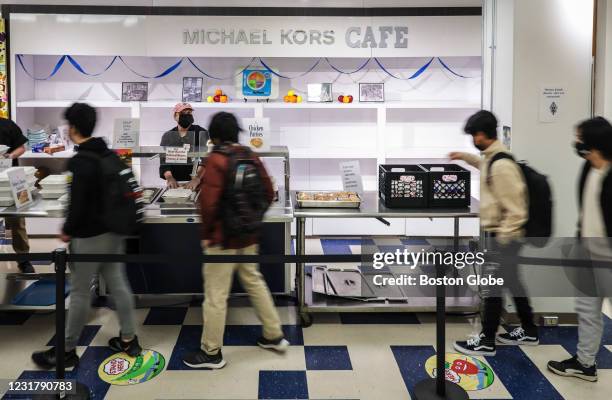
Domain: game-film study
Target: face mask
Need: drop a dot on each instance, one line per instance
(582, 149)
(185, 120)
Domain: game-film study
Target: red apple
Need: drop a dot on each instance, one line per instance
(350, 98)
(341, 99)
(217, 98)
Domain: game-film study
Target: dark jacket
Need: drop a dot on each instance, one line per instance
(213, 185)
(84, 212)
(196, 137)
(606, 198)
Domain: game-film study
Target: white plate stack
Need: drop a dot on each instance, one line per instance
(54, 186)
(6, 196)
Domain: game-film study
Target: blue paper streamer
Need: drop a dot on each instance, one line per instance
(58, 65)
(451, 71)
(173, 67)
(345, 72)
(167, 72)
(289, 77)
(220, 79)
(78, 67)
(413, 76)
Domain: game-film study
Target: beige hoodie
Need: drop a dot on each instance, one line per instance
(503, 202)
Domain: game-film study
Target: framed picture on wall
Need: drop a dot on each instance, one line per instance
(134, 91)
(371, 92)
(192, 89)
(320, 92)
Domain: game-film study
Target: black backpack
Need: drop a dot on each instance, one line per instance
(122, 203)
(538, 227)
(244, 200)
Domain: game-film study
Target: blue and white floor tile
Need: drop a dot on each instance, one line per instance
(358, 356)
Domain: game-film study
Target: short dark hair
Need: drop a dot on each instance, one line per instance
(482, 121)
(597, 134)
(224, 127)
(83, 117)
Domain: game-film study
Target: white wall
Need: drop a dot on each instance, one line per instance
(603, 60)
(552, 45)
(545, 42)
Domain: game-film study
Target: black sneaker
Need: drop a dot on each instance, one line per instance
(519, 336)
(199, 359)
(131, 348)
(572, 367)
(26, 267)
(477, 346)
(46, 359)
(281, 345)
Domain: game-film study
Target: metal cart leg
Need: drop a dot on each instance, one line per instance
(300, 287)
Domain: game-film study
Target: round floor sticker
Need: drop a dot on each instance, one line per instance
(121, 369)
(467, 372)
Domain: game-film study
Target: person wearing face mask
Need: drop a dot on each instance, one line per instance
(594, 144)
(503, 214)
(185, 132)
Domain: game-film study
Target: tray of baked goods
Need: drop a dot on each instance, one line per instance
(327, 199)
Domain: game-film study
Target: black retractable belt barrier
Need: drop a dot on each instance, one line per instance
(439, 388)
(80, 391)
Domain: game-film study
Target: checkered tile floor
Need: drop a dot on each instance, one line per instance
(342, 356)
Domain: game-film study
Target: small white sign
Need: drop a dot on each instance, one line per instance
(19, 187)
(5, 163)
(351, 176)
(177, 155)
(256, 133)
(126, 133)
(551, 103)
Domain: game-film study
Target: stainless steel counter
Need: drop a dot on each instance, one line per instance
(372, 207)
(202, 151)
(281, 211)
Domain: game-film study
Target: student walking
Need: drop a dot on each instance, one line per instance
(503, 214)
(236, 192)
(90, 228)
(594, 144)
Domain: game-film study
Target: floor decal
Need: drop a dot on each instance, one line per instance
(121, 369)
(468, 372)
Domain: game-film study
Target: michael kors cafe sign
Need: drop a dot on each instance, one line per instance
(354, 37)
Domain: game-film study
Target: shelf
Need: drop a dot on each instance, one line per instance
(332, 154)
(253, 105)
(172, 103)
(68, 103)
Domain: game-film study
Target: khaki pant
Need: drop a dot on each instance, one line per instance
(17, 227)
(217, 284)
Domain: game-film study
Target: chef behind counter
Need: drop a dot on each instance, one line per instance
(185, 132)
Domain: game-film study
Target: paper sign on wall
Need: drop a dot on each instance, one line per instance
(351, 176)
(19, 187)
(256, 133)
(177, 155)
(126, 133)
(551, 103)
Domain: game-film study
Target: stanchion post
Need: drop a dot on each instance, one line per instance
(81, 391)
(59, 259)
(439, 388)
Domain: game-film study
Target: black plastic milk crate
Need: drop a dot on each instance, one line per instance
(402, 186)
(449, 185)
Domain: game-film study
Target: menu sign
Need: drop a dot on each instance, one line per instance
(256, 133)
(126, 133)
(19, 187)
(351, 176)
(177, 155)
